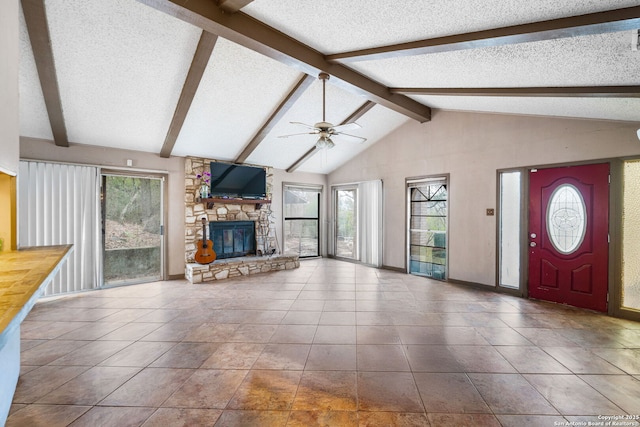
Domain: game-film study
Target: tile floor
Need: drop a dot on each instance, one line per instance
(332, 344)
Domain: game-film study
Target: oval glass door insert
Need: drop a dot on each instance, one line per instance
(566, 219)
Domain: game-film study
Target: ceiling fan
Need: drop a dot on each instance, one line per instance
(324, 129)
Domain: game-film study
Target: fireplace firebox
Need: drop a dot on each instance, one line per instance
(233, 238)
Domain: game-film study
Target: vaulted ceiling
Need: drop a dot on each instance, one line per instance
(224, 79)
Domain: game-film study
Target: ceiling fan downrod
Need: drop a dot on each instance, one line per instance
(324, 77)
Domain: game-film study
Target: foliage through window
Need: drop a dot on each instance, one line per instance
(132, 221)
(346, 223)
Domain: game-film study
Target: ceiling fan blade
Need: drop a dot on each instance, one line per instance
(298, 134)
(303, 124)
(346, 126)
(325, 129)
(353, 138)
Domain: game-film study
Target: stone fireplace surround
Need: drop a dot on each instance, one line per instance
(259, 213)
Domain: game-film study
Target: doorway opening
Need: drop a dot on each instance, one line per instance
(302, 220)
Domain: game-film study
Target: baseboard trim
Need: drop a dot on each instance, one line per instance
(175, 277)
(471, 284)
(492, 288)
(391, 268)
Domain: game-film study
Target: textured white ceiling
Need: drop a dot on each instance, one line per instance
(601, 59)
(239, 91)
(625, 109)
(332, 27)
(121, 66)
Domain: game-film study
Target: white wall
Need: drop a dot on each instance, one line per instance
(9, 65)
(471, 147)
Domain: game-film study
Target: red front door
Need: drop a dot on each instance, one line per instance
(568, 235)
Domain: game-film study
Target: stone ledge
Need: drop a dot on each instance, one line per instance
(238, 267)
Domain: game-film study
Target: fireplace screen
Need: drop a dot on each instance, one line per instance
(233, 238)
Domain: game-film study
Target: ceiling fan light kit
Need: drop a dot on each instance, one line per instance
(325, 142)
(324, 129)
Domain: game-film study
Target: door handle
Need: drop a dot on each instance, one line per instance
(532, 244)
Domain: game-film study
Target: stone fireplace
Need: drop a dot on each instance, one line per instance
(195, 210)
(230, 225)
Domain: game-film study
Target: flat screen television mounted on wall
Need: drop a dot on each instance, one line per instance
(238, 181)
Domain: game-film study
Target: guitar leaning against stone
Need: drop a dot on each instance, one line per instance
(205, 253)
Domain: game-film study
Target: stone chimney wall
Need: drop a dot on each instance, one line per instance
(195, 210)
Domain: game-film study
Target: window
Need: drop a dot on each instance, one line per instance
(428, 210)
(346, 242)
(509, 229)
(631, 235)
(566, 219)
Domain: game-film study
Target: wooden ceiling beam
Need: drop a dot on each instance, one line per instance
(306, 156)
(199, 63)
(36, 19)
(554, 92)
(233, 6)
(301, 86)
(255, 35)
(574, 26)
(361, 111)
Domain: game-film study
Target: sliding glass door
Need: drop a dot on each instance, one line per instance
(302, 220)
(132, 229)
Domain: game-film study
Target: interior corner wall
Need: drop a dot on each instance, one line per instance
(9, 65)
(471, 147)
(34, 149)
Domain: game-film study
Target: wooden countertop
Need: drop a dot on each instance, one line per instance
(22, 274)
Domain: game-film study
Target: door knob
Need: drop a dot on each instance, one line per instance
(532, 244)
(534, 235)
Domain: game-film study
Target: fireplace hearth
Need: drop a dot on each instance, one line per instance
(233, 239)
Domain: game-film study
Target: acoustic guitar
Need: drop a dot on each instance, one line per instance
(205, 253)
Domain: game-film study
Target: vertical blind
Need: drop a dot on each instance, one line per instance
(370, 222)
(58, 204)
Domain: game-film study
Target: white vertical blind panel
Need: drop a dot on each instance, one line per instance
(370, 222)
(59, 204)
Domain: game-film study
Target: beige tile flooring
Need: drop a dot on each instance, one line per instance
(331, 343)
